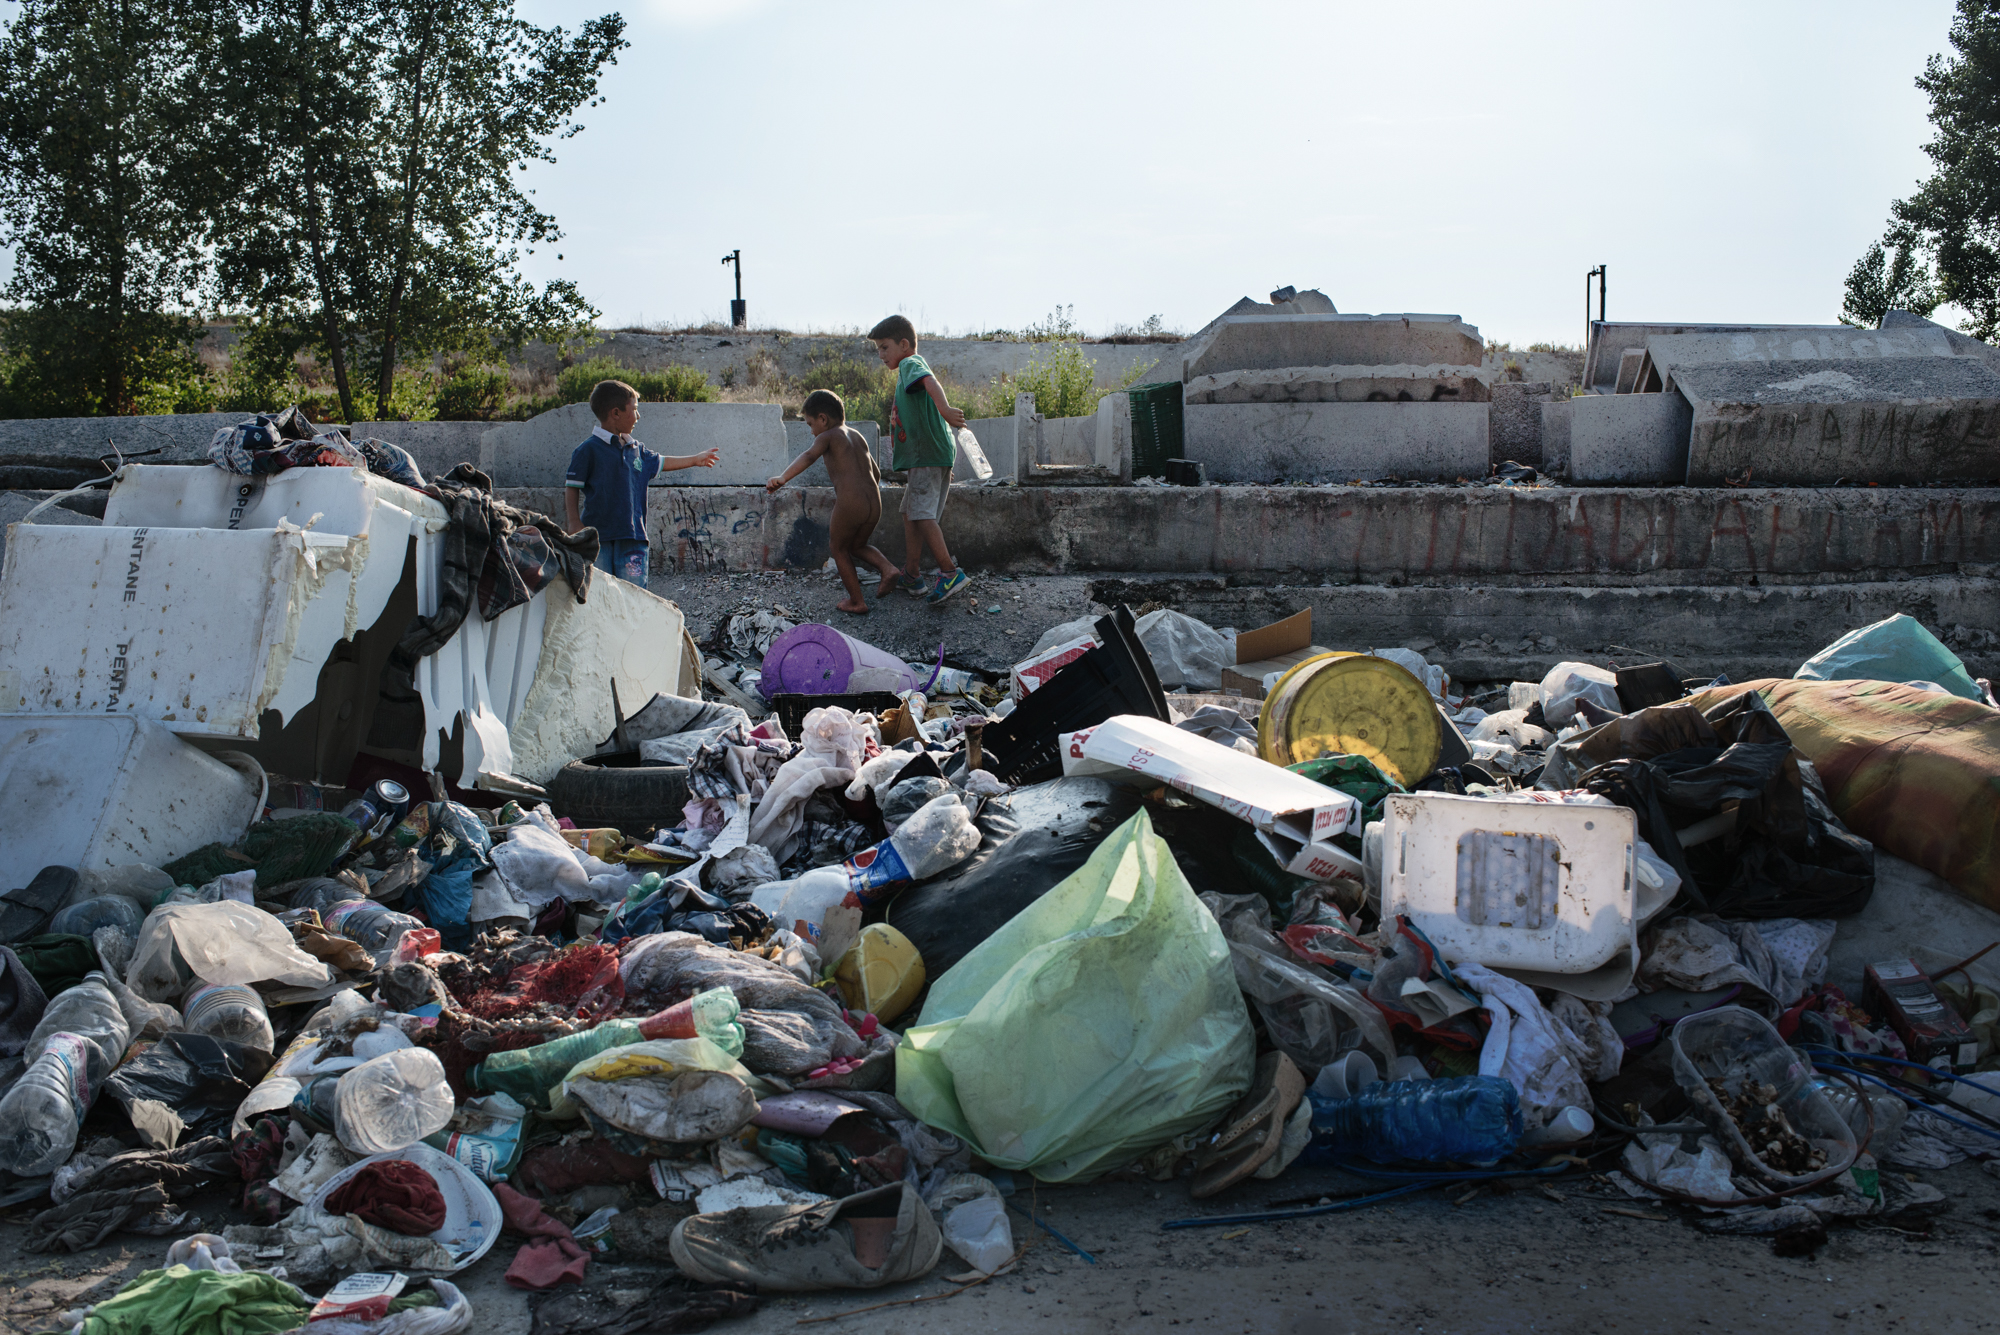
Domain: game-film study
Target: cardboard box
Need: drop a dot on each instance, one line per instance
(1032, 673)
(1295, 819)
(1933, 1033)
(1273, 648)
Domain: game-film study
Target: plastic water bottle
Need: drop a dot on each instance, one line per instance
(937, 838)
(391, 1102)
(85, 916)
(376, 928)
(1468, 1119)
(229, 1011)
(323, 892)
(81, 1038)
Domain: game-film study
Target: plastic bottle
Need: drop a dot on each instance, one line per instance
(1468, 1119)
(376, 928)
(86, 916)
(528, 1074)
(323, 893)
(1890, 1112)
(391, 1102)
(937, 838)
(143, 885)
(81, 1038)
(229, 1011)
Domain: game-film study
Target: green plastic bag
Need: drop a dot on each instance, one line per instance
(1104, 1019)
(1897, 649)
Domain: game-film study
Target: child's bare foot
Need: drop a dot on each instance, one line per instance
(853, 605)
(887, 583)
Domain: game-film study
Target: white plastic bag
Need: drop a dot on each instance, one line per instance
(1567, 683)
(223, 942)
(1185, 652)
(539, 866)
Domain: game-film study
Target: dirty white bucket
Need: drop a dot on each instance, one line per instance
(1512, 884)
(472, 1216)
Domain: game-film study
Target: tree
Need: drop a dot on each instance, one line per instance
(1953, 220)
(95, 98)
(1884, 280)
(392, 135)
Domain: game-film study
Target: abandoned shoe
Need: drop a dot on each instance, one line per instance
(884, 1236)
(1254, 1129)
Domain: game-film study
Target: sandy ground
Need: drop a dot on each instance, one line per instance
(1557, 1260)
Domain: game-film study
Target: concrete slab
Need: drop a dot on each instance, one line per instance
(1671, 352)
(1723, 537)
(1557, 417)
(1344, 384)
(751, 437)
(1909, 421)
(1609, 339)
(438, 447)
(1337, 442)
(1629, 439)
(1271, 342)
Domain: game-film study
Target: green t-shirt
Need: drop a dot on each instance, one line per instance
(922, 440)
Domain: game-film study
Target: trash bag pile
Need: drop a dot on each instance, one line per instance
(273, 442)
(883, 963)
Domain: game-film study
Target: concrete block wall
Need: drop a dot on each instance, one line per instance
(1337, 442)
(1629, 439)
(751, 436)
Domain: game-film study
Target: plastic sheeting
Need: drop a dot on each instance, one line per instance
(1099, 1022)
(1898, 649)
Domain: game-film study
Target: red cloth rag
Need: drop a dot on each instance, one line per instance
(396, 1194)
(552, 1257)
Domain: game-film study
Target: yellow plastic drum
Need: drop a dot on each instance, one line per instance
(1352, 704)
(882, 974)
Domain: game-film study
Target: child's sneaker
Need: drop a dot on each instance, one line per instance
(798, 1248)
(947, 585)
(914, 585)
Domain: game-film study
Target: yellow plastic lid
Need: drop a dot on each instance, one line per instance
(1357, 705)
(882, 973)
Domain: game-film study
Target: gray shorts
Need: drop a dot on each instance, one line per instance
(925, 493)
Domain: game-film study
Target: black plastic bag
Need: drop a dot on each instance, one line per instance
(1787, 855)
(203, 1079)
(1029, 841)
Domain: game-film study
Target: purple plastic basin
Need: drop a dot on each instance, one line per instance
(814, 659)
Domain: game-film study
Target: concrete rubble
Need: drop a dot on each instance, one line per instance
(390, 905)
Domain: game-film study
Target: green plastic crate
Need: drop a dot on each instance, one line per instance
(1157, 433)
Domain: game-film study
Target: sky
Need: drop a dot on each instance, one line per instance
(976, 165)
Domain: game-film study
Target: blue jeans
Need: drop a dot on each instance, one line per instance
(625, 558)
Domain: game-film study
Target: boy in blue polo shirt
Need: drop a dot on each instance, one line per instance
(606, 486)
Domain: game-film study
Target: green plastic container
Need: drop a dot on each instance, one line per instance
(1157, 433)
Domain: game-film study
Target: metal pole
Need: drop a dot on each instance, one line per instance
(739, 314)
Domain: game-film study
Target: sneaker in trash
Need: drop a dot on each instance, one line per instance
(797, 1248)
(947, 585)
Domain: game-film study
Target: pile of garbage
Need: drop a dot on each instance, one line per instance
(878, 940)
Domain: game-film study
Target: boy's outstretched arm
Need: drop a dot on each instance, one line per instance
(952, 416)
(706, 459)
(799, 465)
(571, 512)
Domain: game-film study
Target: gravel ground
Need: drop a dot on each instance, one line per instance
(1576, 1257)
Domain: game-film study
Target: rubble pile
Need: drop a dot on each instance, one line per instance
(1169, 901)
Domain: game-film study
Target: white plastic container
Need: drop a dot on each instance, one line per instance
(1512, 884)
(472, 1217)
(93, 791)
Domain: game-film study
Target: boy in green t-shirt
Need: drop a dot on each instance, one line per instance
(920, 424)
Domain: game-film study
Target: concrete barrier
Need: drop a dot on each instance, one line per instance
(1274, 342)
(1632, 535)
(438, 447)
(1337, 442)
(1629, 439)
(751, 436)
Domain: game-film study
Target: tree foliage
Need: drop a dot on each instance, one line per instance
(1952, 222)
(345, 171)
(95, 107)
(1887, 279)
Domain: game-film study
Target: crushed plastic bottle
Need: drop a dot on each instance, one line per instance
(229, 1011)
(528, 1074)
(937, 838)
(1467, 1119)
(82, 1036)
(84, 917)
(391, 1102)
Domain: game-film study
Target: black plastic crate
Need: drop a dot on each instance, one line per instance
(1157, 433)
(792, 709)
